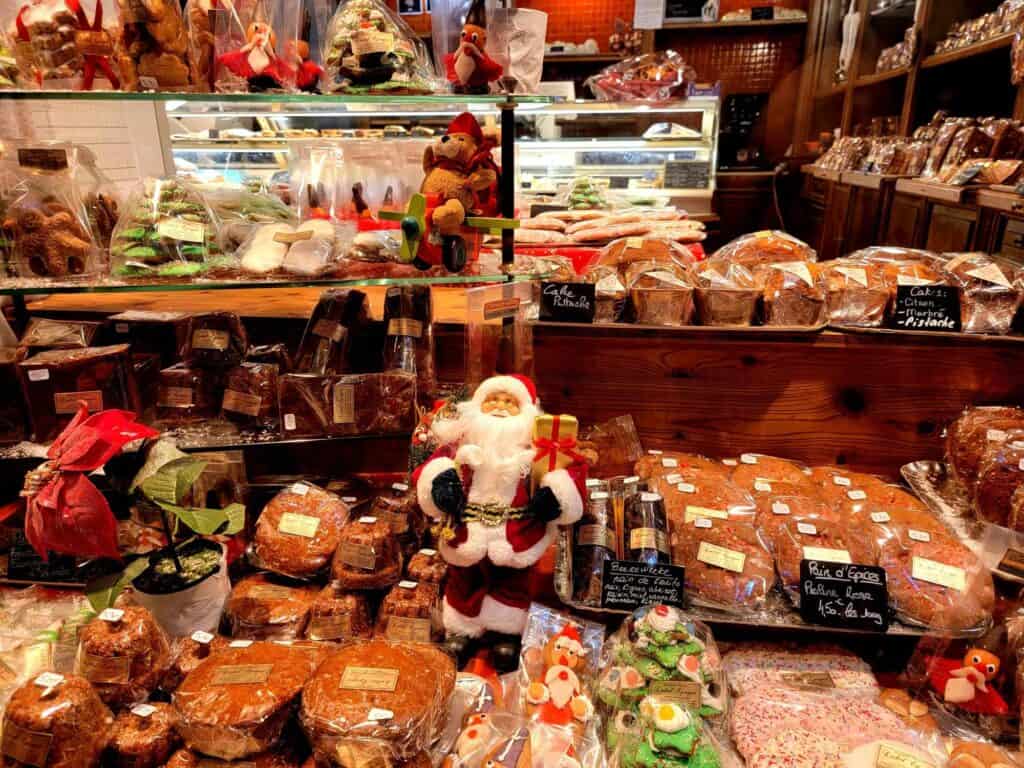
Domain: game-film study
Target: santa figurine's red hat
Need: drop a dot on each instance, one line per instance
(571, 632)
(520, 387)
(467, 124)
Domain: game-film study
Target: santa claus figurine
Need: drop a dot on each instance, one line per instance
(257, 61)
(492, 529)
(468, 68)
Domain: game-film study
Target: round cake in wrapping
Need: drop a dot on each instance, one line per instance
(144, 736)
(283, 757)
(187, 653)
(378, 701)
(968, 437)
(688, 465)
(236, 703)
(124, 654)
(299, 530)
(55, 721)
(262, 607)
(339, 615)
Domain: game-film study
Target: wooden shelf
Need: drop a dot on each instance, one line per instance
(865, 81)
(582, 58)
(732, 24)
(835, 90)
(987, 46)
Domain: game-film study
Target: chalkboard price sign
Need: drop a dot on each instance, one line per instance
(23, 564)
(844, 595)
(766, 13)
(567, 302)
(927, 308)
(627, 585)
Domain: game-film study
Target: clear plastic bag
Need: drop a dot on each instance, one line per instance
(263, 607)
(337, 615)
(298, 531)
(215, 340)
(765, 247)
(626, 250)
(727, 293)
(250, 396)
(189, 652)
(124, 654)
(749, 668)
(59, 334)
(657, 463)
(411, 613)
(186, 394)
(307, 249)
(249, 40)
(660, 293)
(368, 555)
(237, 702)
(166, 229)
(858, 294)
(144, 736)
(609, 293)
(667, 732)
(370, 49)
(968, 436)
(10, 75)
(794, 294)
(659, 76)
(754, 467)
(202, 49)
(377, 701)
(313, 170)
(409, 325)
(326, 340)
(241, 211)
(152, 48)
(690, 495)
(46, 221)
(611, 447)
(991, 291)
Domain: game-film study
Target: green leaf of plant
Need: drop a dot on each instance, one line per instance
(189, 469)
(103, 592)
(160, 488)
(235, 514)
(171, 483)
(161, 452)
(203, 521)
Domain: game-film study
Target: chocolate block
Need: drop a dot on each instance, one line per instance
(250, 395)
(56, 381)
(304, 403)
(353, 404)
(326, 340)
(215, 340)
(186, 394)
(147, 379)
(271, 353)
(409, 324)
(156, 333)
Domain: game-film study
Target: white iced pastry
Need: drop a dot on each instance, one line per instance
(321, 229)
(308, 257)
(265, 254)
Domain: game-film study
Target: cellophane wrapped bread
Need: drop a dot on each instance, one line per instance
(377, 702)
(57, 721)
(298, 531)
(187, 653)
(656, 463)
(215, 340)
(263, 607)
(428, 566)
(752, 467)
(858, 294)
(625, 251)
(236, 703)
(339, 615)
(765, 247)
(1000, 473)
(397, 505)
(661, 293)
(283, 756)
(968, 436)
(124, 653)
(936, 581)
(705, 496)
(411, 612)
(794, 294)
(609, 292)
(368, 555)
(727, 293)
(144, 736)
(991, 293)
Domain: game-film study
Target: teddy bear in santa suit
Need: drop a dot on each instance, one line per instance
(492, 529)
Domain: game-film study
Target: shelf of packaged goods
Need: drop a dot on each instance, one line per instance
(866, 81)
(959, 54)
(582, 58)
(737, 24)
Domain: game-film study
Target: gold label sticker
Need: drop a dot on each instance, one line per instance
(648, 538)
(208, 338)
(891, 756)
(43, 158)
(685, 692)
(595, 536)
(635, 243)
(68, 402)
(693, 512)
(501, 308)
(720, 557)
(182, 229)
(939, 573)
(287, 238)
(105, 669)
(366, 41)
(242, 402)
(343, 403)
(405, 326)
(94, 42)
(242, 674)
(807, 679)
(328, 329)
(359, 556)
(298, 525)
(827, 555)
(330, 627)
(175, 397)
(405, 629)
(270, 592)
(25, 746)
(369, 679)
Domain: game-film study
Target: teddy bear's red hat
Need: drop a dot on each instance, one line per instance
(467, 124)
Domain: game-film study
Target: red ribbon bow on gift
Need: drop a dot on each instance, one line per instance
(554, 445)
(65, 513)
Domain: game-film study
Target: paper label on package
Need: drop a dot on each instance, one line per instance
(287, 238)
(25, 746)
(798, 268)
(693, 512)
(748, 458)
(807, 679)
(113, 615)
(90, 42)
(369, 679)
(48, 679)
(407, 584)
(239, 643)
(856, 495)
(840, 480)
(182, 229)
(359, 556)
(807, 529)
(377, 714)
(68, 402)
(721, 557)
(43, 158)
(911, 280)
(203, 638)
(729, 462)
(344, 403)
(175, 397)
(405, 629)
(405, 326)
(687, 693)
(595, 536)
(995, 435)
(610, 284)
(299, 489)
(330, 627)
(242, 402)
(501, 308)
(143, 710)
(957, 260)
(328, 329)
(880, 517)
(763, 486)
(367, 519)
(858, 275)
(780, 508)
(827, 554)
(428, 552)
(270, 592)
(39, 374)
(670, 463)
(399, 487)
(702, 522)
(939, 573)
(365, 41)
(598, 495)
(635, 242)
(298, 525)
(991, 273)
(654, 452)
(648, 538)
(686, 488)
(105, 669)
(674, 478)
(891, 756)
(242, 674)
(922, 536)
(210, 338)
(663, 276)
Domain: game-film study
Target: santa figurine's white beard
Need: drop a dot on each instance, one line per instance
(503, 436)
(562, 691)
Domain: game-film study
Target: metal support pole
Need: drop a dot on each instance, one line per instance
(508, 175)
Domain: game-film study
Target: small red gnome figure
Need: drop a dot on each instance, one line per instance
(967, 682)
(557, 698)
(468, 68)
(257, 61)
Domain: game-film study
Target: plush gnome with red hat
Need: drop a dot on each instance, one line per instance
(468, 68)
(492, 529)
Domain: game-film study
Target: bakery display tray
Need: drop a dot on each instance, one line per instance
(685, 329)
(980, 337)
